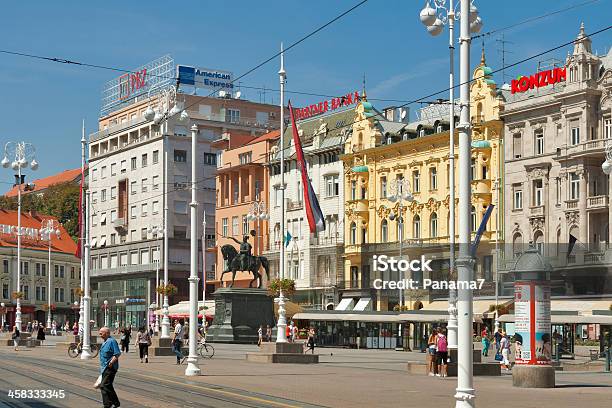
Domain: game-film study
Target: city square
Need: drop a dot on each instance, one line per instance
(286, 204)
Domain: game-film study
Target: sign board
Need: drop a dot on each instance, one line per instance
(532, 322)
(205, 78)
(325, 106)
(538, 80)
(129, 87)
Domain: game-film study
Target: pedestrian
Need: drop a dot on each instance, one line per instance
(259, 335)
(143, 340)
(294, 333)
(151, 331)
(504, 345)
(75, 328)
(41, 334)
(126, 334)
(268, 333)
(485, 343)
(497, 338)
(432, 364)
(29, 327)
(288, 333)
(177, 341)
(109, 365)
(16, 336)
(54, 328)
(67, 327)
(310, 343)
(442, 353)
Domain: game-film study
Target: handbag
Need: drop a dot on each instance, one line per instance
(98, 382)
(498, 357)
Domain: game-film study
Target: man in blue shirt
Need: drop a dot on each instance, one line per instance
(109, 364)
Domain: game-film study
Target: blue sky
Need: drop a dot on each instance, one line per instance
(44, 102)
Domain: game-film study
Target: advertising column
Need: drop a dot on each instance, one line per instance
(532, 322)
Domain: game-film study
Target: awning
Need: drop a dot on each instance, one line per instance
(103, 219)
(102, 241)
(345, 304)
(93, 243)
(480, 306)
(376, 317)
(362, 304)
(582, 306)
(181, 309)
(570, 319)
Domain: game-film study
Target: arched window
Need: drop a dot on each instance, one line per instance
(416, 227)
(538, 240)
(384, 231)
(473, 219)
(433, 225)
(517, 244)
(558, 251)
(353, 233)
(364, 235)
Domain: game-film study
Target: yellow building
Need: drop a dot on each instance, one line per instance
(378, 153)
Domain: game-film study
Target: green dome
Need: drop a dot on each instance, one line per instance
(481, 144)
(360, 169)
(367, 106)
(487, 70)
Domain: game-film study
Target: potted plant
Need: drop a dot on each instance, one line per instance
(17, 295)
(287, 286)
(78, 292)
(167, 290)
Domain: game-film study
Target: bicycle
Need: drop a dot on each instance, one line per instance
(75, 349)
(206, 350)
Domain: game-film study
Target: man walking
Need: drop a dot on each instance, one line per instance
(109, 364)
(177, 342)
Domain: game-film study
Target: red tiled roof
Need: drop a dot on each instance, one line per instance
(268, 136)
(8, 218)
(44, 183)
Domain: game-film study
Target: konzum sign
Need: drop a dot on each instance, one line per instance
(544, 78)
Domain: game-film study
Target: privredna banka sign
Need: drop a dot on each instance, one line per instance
(550, 77)
(322, 107)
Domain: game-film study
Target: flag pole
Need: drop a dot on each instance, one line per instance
(281, 325)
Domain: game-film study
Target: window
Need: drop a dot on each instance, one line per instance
(94, 197)
(473, 170)
(144, 160)
(332, 186)
(155, 207)
(103, 195)
(143, 209)
(487, 268)
(232, 115)
(416, 185)
(56, 268)
(5, 290)
(277, 196)
(144, 185)
(94, 175)
(133, 211)
(133, 163)
(155, 156)
(245, 158)
(180, 207)
(353, 190)
(133, 187)
(143, 233)
(25, 268)
(575, 139)
(220, 158)
(484, 172)
(538, 193)
(113, 193)
(245, 225)
(473, 219)
(539, 142)
(353, 233)
(113, 238)
(134, 258)
(608, 128)
(224, 230)
(433, 225)
(180, 156)
(133, 235)
(210, 159)
(574, 186)
(59, 294)
(518, 197)
(113, 169)
(113, 215)
(235, 226)
(558, 189)
(517, 146)
(433, 178)
(383, 188)
(103, 219)
(103, 172)
(416, 227)
(43, 271)
(384, 231)
(37, 269)
(123, 166)
(5, 266)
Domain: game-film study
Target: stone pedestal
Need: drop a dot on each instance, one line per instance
(533, 376)
(238, 314)
(161, 347)
(287, 353)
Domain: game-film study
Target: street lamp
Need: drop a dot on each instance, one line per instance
(434, 19)
(157, 231)
(48, 229)
(21, 154)
(76, 307)
(606, 166)
(105, 307)
(3, 306)
(152, 308)
(257, 215)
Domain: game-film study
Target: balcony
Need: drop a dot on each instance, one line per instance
(120, 224)
(537, 210)
(294, 205)
(571, 204)
(481, 187)
(124, 269)
(600, 202)
(101, 134)
(237, 121)
(587, 148)
(325, 241)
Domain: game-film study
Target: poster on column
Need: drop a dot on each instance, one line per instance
(542, 323)
(522, 322)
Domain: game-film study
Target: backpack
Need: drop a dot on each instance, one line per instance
(442, 344)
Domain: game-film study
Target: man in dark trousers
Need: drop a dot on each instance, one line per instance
(109, 364)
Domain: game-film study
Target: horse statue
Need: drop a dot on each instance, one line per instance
(244, 261)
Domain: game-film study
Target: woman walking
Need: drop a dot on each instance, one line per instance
(41, 334)
(485, 342)
(432, 362)
(143, 340)
(16, 337)
(504, 346)
(311, 340)
(126, 334)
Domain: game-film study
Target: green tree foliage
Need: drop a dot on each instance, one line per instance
(59, 200)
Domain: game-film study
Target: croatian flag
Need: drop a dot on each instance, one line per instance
(313, 210)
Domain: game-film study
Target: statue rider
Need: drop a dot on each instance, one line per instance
(245, 255)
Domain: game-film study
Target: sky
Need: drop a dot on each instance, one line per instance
(44, 102)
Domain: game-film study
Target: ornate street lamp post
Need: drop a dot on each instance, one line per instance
(49, 228)
(257, 215)
(105, 307)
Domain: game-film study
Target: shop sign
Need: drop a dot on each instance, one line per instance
(205, 78)
(119, 301)
(538, 80)
(325, 106)
(129, 300)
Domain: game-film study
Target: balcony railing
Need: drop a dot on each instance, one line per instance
(294, 205)
(597, 202)
(101, 134)
(537, 210)
(240, 121)
(571, 204)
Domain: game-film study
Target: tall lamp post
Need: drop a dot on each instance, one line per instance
(435, 19)
(257, 214)
(19, 155)
(86, 353)
(157, 231)
(105, 307)
(48, 229)
(3, 307)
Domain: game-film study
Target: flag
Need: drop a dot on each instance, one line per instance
(311, 204)
(287, 239)
(481, 229)
(80, 245)
(572, 242)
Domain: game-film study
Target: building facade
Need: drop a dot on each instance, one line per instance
(243, 191)
(34, 280)
(129, 190)
(557, 194)
(377, 155)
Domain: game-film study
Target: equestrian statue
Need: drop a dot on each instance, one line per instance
(244, 261)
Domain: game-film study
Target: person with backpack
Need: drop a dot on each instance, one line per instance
(442, 353)
(143, 340)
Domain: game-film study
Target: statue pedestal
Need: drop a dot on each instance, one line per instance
(238, 314)
(284, 353)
